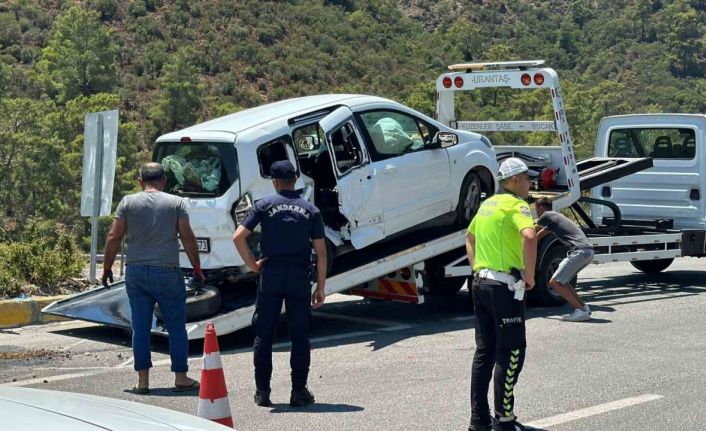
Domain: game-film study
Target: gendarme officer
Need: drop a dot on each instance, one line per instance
(290, 225)
(502, 249)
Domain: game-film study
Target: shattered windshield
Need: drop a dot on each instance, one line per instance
(197, 168)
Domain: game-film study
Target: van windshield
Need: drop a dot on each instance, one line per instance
(197, 169)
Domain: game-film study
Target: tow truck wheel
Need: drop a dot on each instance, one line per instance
(435, 280)
(652, 266)
(200, 302)
(542, 293)
(469, 200)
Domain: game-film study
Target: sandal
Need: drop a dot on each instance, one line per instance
(140, 391)
(194, 385)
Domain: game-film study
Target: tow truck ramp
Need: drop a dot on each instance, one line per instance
(109, 305)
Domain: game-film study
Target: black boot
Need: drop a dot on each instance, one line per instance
(479, 427)
(262, 398)
(301, 397)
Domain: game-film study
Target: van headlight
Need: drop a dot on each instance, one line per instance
(241, 209)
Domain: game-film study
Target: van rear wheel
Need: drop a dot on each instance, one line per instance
(652, 266)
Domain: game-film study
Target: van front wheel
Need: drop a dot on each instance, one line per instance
(469, 199)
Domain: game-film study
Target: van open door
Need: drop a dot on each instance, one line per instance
(359, 198)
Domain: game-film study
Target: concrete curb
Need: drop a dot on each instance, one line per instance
(20, 312)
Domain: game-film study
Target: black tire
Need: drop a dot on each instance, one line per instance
(542, 293)
(652, 266)
(469, 199)
(434, 278)
(200, 302)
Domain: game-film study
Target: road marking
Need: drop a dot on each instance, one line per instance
(126, 363)
(74, 345)
(57, 378)
(592, 411)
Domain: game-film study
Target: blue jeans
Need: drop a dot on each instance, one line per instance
(145, 285)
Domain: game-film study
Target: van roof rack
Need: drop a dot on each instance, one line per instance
(498, 65)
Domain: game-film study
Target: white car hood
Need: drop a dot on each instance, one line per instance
(36, 409)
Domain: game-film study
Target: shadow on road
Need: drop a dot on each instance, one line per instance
(354, 321)
(164, 392)
(316, 408)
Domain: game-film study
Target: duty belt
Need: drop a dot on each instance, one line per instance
(515, 285)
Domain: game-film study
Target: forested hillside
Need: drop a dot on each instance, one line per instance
(167, 64)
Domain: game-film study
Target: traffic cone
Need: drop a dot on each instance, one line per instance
(213, 395)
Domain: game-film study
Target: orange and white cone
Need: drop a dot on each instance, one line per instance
(213, 395)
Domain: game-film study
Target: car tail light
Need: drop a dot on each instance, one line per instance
(526, 79)
(447, 82)
(185, 139)
(458, 82)
(241, 209)
(538, 78)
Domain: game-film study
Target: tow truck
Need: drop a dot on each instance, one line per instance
(434, 260)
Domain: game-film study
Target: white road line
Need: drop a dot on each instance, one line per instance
(74, 345)
(592, 411)
(355, 319)
(57, 378)
(126, 363)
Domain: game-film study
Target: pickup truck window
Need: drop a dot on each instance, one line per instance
(659, 143)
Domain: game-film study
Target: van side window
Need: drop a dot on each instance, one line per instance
(347, 150)
(274, 151)
(395, 133)
(658, 143)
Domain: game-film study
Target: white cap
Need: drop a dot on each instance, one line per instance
(513, 166)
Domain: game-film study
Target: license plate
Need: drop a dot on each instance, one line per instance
(203, 245)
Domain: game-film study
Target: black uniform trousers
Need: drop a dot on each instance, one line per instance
(500, 349)
(282, 280)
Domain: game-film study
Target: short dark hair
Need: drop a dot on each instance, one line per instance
(151, 172)
(545, 203)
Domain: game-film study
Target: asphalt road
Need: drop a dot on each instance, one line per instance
(638, 365)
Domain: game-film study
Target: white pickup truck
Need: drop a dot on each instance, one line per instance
(668, 195)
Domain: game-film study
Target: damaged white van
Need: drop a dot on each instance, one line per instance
(375, 168)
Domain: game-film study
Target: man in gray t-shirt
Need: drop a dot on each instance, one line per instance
(579, 256)
(152, 220)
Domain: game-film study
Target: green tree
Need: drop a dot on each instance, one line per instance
(685, 41)
(29, 161)
(181, 94)
(80, 58)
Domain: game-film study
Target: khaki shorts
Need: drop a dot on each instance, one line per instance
(575, 261)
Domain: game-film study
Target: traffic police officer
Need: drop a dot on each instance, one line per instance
(502, 249)
(290, 225)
